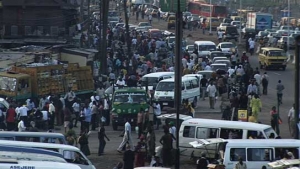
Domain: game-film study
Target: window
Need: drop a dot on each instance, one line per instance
(259, 154)
(236, 153)
(253, 134)
(195, 83)
(165, 86)
(231, 133)
(281, 153)
(189, 131)
(27, 30)
(188, 85)
(14, 30)
(204, 133)
(75, 157)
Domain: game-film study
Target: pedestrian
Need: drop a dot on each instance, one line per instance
(150, 19)
(94, 119)
(106, 111)
(251, 47)
(291, 120)
(76, 111)
(21, 125)
(203, 84)
(84, 142)
(166, 141)
(255, 105)
(140, 121)
(252, 89)
(258, 79)
(32, 127)
(67, 118)
(265, 82)
(172, 130)
(279, 88)
(141, 152)
(202, 162)
(101, 137)
(51, 115)
(220, 35)
(127, 136)
(10, 118)
(128, 158)
(240, 164)
(151, 142)
(157, 112)
(212, 91)
(23, 114)
(275, 119)
(87, 116)
(71, 134)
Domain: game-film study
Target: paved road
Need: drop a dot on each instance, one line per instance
(111, 156)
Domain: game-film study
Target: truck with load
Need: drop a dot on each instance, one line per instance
(126, 103)
(33, 81)
(259, 21)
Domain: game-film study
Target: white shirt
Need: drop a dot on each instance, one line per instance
(134, 41)
(76, 107)
(45, 115)
(21, 126)
(231, 71)
(257, 77)
(106, 106)
(120, 82)
(252, 89)
(150, 17)
(220, 35)
(211, 89)
(127, 128)
(157, 110)
(251, 44)
(172, 131)
(23, 111)
(51, 108)
(207, 67)
(291, 114)
(184, 62)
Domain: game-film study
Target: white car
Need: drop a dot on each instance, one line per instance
(222, 25)
(227, 47)
(170, 41)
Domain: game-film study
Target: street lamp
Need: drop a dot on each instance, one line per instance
(210, 18)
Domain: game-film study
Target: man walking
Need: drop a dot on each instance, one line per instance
(279, 88)
(265, 82)
(291, 120)
(212, 90)
(203, 83)
(127, 137)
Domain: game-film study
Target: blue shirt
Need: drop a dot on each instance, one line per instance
(87, 114)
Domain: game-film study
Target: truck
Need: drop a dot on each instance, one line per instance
(126, 103)
(34, 81)
(259, 21)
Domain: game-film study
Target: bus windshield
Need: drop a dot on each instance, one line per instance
(137, 97)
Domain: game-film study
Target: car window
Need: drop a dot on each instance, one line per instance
(236, 153)
(189, 131)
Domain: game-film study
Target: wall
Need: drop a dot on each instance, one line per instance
(71, 58)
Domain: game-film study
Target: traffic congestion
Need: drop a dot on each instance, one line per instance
(59, 109)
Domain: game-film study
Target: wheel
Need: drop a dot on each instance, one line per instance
(114, 126)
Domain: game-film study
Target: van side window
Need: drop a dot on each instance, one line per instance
(188, 85)
(189, 131)
(253, 134)
(204, 133)
(231, 133)
(236, 153)
(75, 157)
(195, 83)
(281, 153)
(259, 154)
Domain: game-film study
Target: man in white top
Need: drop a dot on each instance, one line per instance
(220, 35)
(251, 46)
(172, 130)
(127, 138)
(184, 62)
(157, 112)
(207, 67)
(23, 114)
(257, 78)
(106, 111)
(252, 89)
(52, 115)
(134, 41)
(120, 82)
(211, 90)
(76, 109)
(291, 120)
(231, 71)
(21, 126)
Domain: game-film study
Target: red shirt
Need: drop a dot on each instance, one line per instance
(11, 114)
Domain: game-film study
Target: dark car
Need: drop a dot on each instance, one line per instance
(230, 32)
(248, 33)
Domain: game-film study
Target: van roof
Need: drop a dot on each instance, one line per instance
(183, 78)
(158, 74)
(264, 142)
(204, 43)
(37, 164)
(226, 124)
(31, 134)
(38, 145)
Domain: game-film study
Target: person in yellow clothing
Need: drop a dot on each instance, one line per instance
(255, 105)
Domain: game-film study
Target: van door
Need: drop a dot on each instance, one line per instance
(259, 157)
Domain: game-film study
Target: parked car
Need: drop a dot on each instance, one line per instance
(248, 33)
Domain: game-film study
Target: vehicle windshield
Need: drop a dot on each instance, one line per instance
(227, 45)
(277, 53)
(165, 86)
(207, 47)
(151, 81)
(191, 48)
(268, 132)
(129, 97)
(216, 67)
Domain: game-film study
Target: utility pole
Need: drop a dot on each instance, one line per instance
(127, 37)
(297, 92)
(103, 50)
(178, 72)
(89, 24)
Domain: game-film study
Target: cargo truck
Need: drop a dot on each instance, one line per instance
(259, 21)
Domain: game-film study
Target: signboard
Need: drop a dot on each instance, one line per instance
(171, 5)
(242, 115)
(263, 22)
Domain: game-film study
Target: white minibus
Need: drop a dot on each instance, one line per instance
(19, 164)
(204, 47)
(152, 79)
(70, 153)
(165, 91)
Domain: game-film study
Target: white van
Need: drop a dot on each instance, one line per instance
(19, 164)
(165, 92)
(204, 47)
(70, 153)
(154, 78)
(196, 128)
(256, 153)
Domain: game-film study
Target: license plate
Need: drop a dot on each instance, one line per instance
(165, 104)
